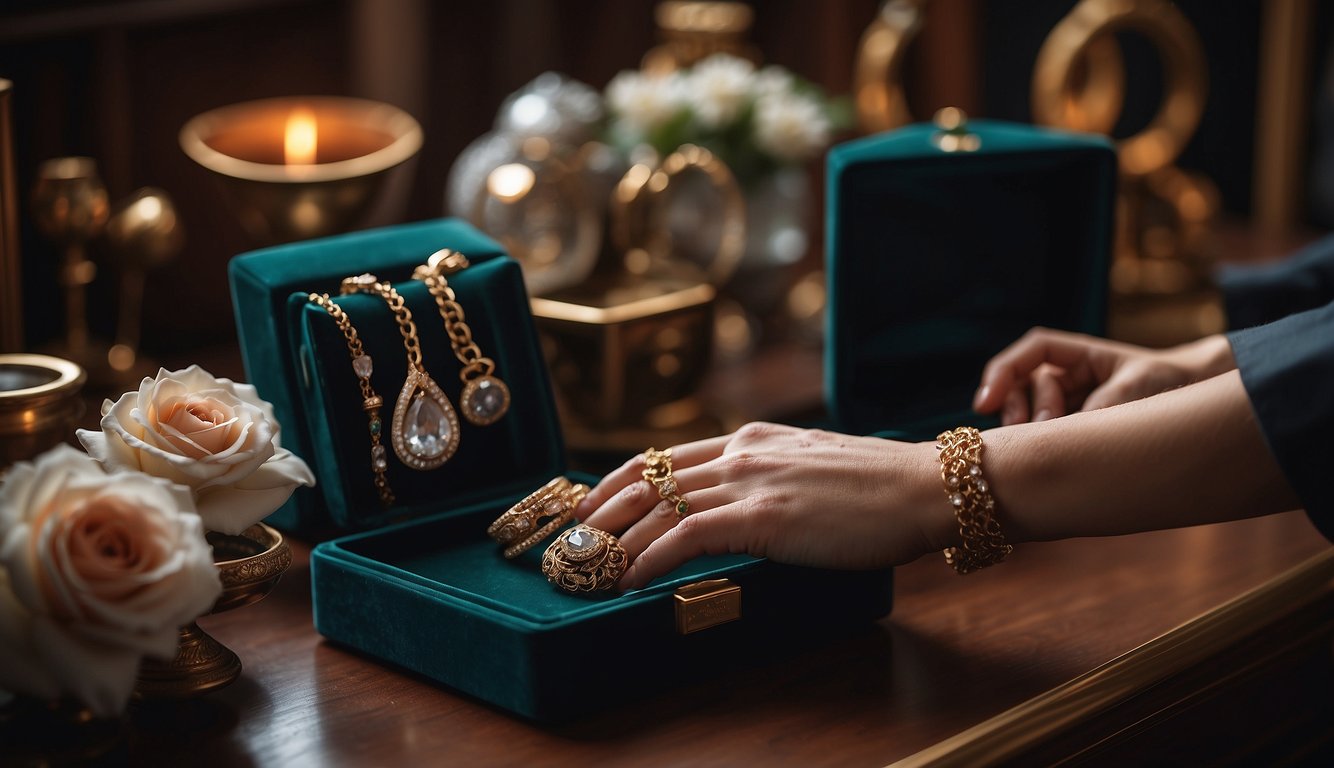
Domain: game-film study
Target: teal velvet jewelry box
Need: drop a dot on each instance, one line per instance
(421, 585)
(944, 247)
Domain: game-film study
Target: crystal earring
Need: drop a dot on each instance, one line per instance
(484, 398)
(425, 428)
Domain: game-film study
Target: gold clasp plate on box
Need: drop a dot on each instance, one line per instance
(706, 604)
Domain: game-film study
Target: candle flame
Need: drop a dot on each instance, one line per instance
(300, 137)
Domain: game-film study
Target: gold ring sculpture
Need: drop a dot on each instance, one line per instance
(658, 472)
(521, 526)
(1074, 41)
(484, 398)
(634, 230)
(584, 559)
(878, 80)
(425, 429)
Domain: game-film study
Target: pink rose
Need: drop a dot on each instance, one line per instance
(97, 570)
(213, 435)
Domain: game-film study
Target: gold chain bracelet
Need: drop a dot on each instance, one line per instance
(970, 496)
(484, 398)
(370, 402)
(425, 429)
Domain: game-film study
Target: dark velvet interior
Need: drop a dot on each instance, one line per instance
(938, 260)
(508, 458)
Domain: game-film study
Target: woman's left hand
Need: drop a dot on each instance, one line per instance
(798, 496)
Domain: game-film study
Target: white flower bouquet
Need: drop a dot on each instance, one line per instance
(103, 555)
(756, 120)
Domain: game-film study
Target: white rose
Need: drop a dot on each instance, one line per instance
(719, 88)
(96, 571)
(213, 435)
(773, 81)
(791, 127)
(642, 103)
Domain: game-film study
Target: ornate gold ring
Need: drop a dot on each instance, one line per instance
(521, 526)
(658, 471)
(584, 559)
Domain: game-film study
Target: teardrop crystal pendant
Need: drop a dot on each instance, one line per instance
(425, 430)
(484, 400)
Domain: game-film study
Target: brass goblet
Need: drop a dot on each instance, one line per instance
(144, 233)
(70, 206)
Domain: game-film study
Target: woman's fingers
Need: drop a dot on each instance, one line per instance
(662, 517)
(1016, 407)
(631, 472)
(637, 499)
(713, 532)
(1014, 365)
(1049, 393)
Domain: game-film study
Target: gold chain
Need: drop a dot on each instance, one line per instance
(371, 402)
(970, 496)
(406, 327)
(456, 326)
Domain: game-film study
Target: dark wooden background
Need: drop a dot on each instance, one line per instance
(116, 79)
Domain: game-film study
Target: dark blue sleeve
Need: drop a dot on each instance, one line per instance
(1287, 368)
(1255, 295)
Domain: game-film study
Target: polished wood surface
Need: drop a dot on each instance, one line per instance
(954, 652)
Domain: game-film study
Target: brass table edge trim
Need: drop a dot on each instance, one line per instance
(1008, 734)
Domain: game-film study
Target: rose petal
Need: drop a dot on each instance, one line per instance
(99, 674)
(20, 671)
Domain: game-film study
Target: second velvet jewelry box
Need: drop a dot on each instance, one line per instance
(419, 584)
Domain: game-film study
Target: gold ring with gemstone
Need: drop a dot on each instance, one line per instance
(584, 559)
(522, 526)
(658, 471)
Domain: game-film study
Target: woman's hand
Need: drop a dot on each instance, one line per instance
(798, 496)
(1049, 373)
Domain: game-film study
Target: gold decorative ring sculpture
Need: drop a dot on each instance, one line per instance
(521, 526)
(658, 472)
(584, 559)
(1074, 41)
(641, 185)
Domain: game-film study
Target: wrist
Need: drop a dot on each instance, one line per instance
(1207, 357)
(935, 517)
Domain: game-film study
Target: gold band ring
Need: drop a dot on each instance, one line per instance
(521, 526)
(658, 471)
(584, 559)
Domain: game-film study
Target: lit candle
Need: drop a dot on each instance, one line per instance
(303, 166)
(300, 137)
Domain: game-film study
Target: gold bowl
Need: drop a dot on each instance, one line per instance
(39, 402)
(353, 144)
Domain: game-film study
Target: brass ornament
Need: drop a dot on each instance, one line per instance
(638, 213)
(877, 84)
(584, 559)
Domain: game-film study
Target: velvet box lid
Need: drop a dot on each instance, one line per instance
(297, 358)
(938, 259)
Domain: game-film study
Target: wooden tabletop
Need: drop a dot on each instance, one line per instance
(954, 652)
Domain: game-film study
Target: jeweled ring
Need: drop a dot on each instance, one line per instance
(584, 559)
(658, 471)
(521, 526)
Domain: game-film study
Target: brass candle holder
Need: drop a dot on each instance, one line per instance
(302, 167)
(143, 233)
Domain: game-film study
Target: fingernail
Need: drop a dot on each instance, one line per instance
(981, 396)
(1042, 415)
